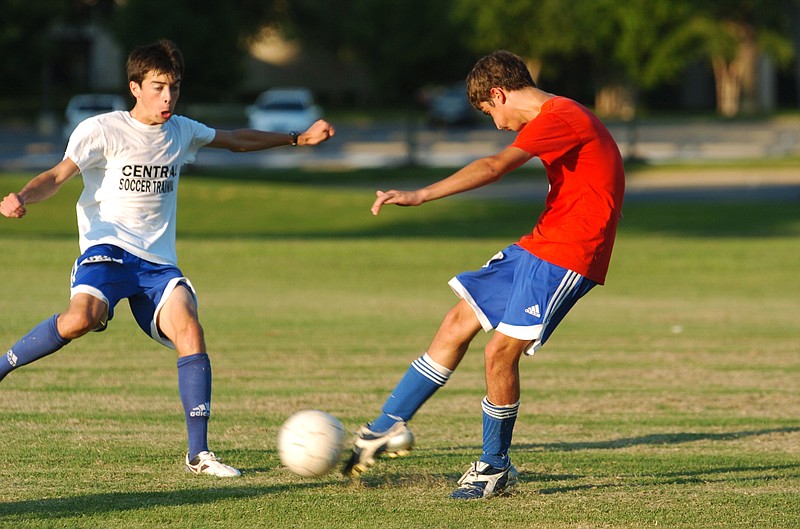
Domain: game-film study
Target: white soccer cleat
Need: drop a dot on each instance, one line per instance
(368, 445)
(484, 481)
(209, 464)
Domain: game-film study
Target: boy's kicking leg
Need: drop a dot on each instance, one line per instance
(388, 433)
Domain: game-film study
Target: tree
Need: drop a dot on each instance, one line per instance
(541, 32)
(207, 35)
(636, 45)
(44, 54)
(733, 35)
(403, 45)
(622, 41)
(29, 39)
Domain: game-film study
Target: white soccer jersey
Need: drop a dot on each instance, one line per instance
(130, 176)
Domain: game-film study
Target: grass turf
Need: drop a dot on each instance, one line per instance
(669, 397)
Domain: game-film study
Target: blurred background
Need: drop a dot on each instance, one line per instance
(647, 67)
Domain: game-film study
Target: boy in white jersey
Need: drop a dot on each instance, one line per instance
(131, 162)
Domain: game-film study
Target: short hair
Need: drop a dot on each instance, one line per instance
(162, 57)
(499, 69)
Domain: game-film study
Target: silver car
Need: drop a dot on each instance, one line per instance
(283, 110)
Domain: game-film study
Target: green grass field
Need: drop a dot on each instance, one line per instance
(668, 398)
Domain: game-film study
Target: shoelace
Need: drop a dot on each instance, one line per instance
(468, 481)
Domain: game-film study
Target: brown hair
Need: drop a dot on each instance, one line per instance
(161, 57)
(499, 69)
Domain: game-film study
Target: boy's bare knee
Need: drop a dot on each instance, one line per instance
(71, 325)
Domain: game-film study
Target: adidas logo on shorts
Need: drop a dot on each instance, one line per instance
(534, 311)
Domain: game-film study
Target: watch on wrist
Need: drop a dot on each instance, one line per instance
(295, 135)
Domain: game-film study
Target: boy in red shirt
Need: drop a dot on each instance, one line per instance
(526, 289)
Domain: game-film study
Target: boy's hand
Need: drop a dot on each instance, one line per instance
(12, 206)
(399, 198)
(318, 132)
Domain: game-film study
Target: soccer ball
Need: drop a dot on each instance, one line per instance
(310, 443)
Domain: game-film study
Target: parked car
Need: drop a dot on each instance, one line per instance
(84, 106)
(283, 110)
(451, 107)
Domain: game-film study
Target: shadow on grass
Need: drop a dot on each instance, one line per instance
(691, 211)
(109, 502)
(474, 219)
(566, 483)
(576, 482)
(652, 439)
(393, 478)
(294, 205)
(753, 473)
(460, 218)
(705, 476)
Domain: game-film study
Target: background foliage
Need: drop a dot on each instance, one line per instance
(616, 49)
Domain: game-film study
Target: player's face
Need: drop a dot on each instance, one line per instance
(499, 116)
(500, 111)
(155, 98)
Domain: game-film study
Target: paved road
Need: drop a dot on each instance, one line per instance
(21, 148)
(376, 146)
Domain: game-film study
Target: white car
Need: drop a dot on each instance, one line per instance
(85, 106)
(283, 110)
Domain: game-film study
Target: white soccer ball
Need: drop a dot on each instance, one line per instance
(310, 443)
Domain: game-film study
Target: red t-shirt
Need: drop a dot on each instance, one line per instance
(587, 184)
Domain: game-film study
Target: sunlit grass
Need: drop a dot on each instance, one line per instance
(668, 398)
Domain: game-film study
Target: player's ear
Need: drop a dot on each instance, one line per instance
(497, 94)
(135, 88)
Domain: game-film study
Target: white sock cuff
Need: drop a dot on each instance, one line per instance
(505, 411)
(434, 372)
(438, 367)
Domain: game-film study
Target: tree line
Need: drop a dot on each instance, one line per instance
(616, 49)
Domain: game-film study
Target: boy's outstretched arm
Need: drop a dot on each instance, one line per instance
(39, 188)
(247, 140)
(476, 174)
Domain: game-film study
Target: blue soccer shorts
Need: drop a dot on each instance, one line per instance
(111, 274)
(520, 295)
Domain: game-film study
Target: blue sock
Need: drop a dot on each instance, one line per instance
(422, 379)
(498, 427)
(194, 385)
(41, 341)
